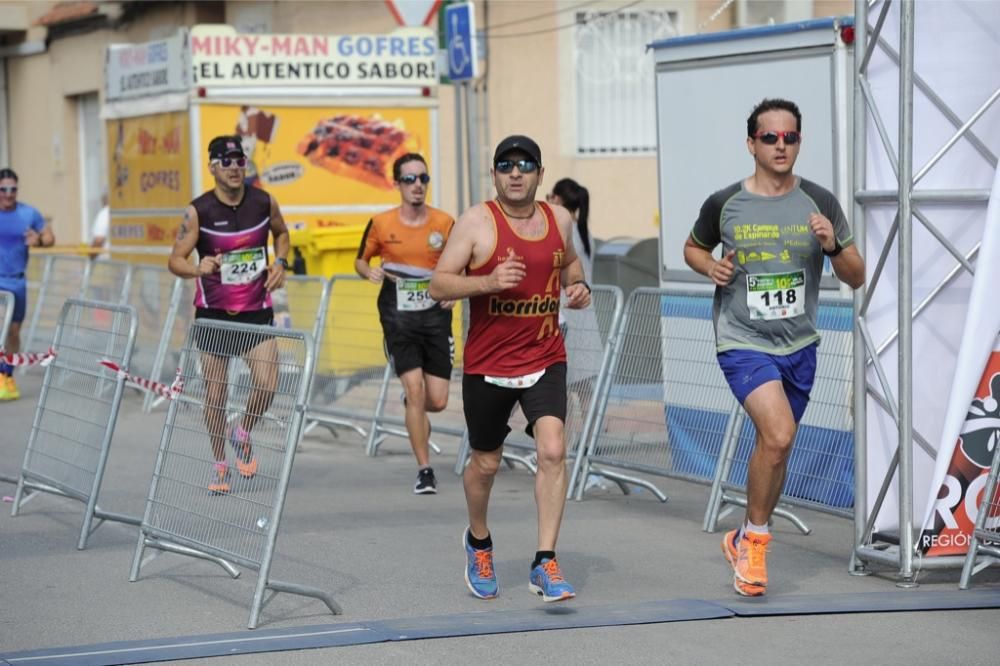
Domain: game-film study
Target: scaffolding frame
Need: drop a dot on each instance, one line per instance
(908, 199)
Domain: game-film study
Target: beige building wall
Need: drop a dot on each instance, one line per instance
(532, 90)
(43, 92)
(529, 87)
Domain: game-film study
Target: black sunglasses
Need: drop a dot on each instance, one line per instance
(411, 178)
(9, 190)
(524, 166)
(226, 162)
(771, 138)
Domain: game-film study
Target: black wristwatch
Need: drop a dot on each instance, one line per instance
(282, 261)
(837, 248)
(584, 283)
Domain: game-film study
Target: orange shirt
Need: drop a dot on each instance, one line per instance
(406, 250)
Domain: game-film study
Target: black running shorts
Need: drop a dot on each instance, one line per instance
(417, 340)
(488, 407)
(231, 343)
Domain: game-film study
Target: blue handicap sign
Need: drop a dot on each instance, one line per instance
(460, 31)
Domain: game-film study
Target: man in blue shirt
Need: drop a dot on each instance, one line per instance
(21, 227)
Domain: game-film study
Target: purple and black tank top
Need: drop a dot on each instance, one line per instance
(239, 234)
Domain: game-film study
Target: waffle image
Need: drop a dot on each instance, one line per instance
(358, 148)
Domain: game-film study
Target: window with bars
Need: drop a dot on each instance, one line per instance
(615, 89)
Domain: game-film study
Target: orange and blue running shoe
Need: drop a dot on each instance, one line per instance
(246, 463)
(218, 480)
(547, 581)
(748, 557)
(479, 573)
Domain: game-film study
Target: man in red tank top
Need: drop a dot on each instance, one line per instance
(511, 257)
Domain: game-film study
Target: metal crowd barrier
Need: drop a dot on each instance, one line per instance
(168, 301)
(351, 363)
(156, 294)
(389, 417)
(77, 409)
(62, 277)
(390, 413)
(662, 397)
(180, 315)
(985, 539)
(821, 466)
(6, 315)
(70, 276)
(303, 305)
(239, 526)
(300, 305)
(666, 410)
(108, 280)
(34, 275)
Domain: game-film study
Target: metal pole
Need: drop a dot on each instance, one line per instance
(905, 303)
(857, 184)
(472, 130)
(459, 152)
(484, 109)
(4, 120)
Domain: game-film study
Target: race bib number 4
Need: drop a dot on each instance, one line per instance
(243, 266)
(413, 295)
(776, 295)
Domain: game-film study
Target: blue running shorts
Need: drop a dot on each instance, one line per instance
(746, 369)
(18, 287)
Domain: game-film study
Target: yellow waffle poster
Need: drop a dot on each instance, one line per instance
(149, 162)
(322, 156)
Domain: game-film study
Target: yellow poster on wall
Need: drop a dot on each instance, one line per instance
(152, 231)
(149, 162)
(322, 156)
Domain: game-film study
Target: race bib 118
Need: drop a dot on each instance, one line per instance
(776, 295)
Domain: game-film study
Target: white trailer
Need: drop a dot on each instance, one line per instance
(706, 86)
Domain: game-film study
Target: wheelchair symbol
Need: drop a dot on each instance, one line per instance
(459, 57)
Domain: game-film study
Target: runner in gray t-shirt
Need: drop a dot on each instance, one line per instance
(775, 229)
(771, 303)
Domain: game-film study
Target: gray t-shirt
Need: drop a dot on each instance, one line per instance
(772, 301)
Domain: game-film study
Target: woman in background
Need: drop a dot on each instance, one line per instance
(575, 198)
(580, 329)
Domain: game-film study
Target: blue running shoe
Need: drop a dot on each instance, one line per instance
(547, 582)
(479, 574)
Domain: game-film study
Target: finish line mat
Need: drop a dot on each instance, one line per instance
(543, 618)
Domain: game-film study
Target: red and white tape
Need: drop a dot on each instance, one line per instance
(157, 388)
(29, 358)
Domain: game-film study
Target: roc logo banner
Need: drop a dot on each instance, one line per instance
(961, 494)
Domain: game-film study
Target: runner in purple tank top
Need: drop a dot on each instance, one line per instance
(229, 227)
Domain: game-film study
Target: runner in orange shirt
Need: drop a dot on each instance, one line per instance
(416, 328)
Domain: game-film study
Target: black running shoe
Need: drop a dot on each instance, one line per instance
(426, 483)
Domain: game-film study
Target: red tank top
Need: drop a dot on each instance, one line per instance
(516, 332)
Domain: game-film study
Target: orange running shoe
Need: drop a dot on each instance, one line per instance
(743, 552)
(246, 463)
